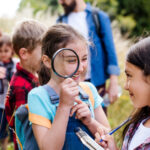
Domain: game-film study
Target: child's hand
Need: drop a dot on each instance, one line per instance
(2, 72)
(108, 141)
(68, 91)
(82, 112)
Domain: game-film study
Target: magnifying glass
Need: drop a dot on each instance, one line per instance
(65, 62)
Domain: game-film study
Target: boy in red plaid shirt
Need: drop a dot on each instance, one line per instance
(26, 41)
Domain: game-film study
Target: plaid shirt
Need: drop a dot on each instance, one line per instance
(131, 131)
(20, 85)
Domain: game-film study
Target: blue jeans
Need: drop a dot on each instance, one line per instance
(72, 142)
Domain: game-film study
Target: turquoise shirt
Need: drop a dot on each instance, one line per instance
(42, 111)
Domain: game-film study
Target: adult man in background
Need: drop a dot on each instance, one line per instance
(102, 59)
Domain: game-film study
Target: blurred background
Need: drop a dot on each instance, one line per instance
(130, 21)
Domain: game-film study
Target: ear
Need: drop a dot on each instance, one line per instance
(23, 53)
(46, 61)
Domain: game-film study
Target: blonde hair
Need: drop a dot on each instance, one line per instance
(27, 34)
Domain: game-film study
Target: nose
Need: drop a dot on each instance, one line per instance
(81, 67)
(126, 86)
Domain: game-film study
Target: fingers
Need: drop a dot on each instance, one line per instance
(80, 108)
(2, 72)
(113, 98)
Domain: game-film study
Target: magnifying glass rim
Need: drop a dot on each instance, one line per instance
(53, 58)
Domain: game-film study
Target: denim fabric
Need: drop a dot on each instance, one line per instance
(72, 142)
(103, 62)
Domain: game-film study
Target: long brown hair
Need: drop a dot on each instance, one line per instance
(58, 36)
(139, 55)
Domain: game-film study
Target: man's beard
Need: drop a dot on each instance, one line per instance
(69, 8)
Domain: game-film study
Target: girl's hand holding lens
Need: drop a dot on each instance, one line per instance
(108, 140)
(82, 112)
(68, 91)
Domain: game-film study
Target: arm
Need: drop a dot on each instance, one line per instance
(83, 113)
(99, 121)
(15, 97)
(108, 142)
(53, 138)
(107, 39)
(2, 72)
(109, 48)
(113, 88)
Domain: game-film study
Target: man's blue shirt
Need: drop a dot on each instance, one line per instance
(103, 62)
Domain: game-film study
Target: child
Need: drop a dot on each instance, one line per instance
(52, 121)
(7, 68)
(137, 69)
(26, 41)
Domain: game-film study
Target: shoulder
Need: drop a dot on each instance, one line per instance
(19, 81)
(89, 88)
(39, 97)
(39, 91)
(100, 12)
(90, 85)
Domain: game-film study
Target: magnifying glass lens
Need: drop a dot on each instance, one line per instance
(65, 63)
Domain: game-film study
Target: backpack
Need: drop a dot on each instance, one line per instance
(24, 132)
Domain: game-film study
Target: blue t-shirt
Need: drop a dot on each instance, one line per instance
(42, 111)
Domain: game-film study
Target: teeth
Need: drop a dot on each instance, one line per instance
(75, 75)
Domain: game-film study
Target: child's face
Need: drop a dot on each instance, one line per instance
(81, 49)
(138, 87)
(34, 59)
(5, 53)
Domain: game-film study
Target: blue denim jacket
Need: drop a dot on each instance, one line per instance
(102, 65)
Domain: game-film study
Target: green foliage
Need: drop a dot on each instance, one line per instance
(41, 5)
(133, 16)
(140, 12)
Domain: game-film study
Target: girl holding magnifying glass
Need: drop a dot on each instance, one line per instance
(54, 121)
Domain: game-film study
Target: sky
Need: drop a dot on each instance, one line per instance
(8, 7)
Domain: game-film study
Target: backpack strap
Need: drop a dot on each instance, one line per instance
(96, 20)
(54, 98)
(87, 90)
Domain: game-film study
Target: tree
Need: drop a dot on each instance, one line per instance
(133, 17)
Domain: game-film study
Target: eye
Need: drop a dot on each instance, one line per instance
(71, 60)
(128, 75)
(6, 51)
(84, 59)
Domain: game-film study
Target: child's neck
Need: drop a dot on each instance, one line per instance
(27, 68)
(54, 85)
(147, 123)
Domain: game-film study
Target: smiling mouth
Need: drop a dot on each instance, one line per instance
(131, 94)
(75, 75)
